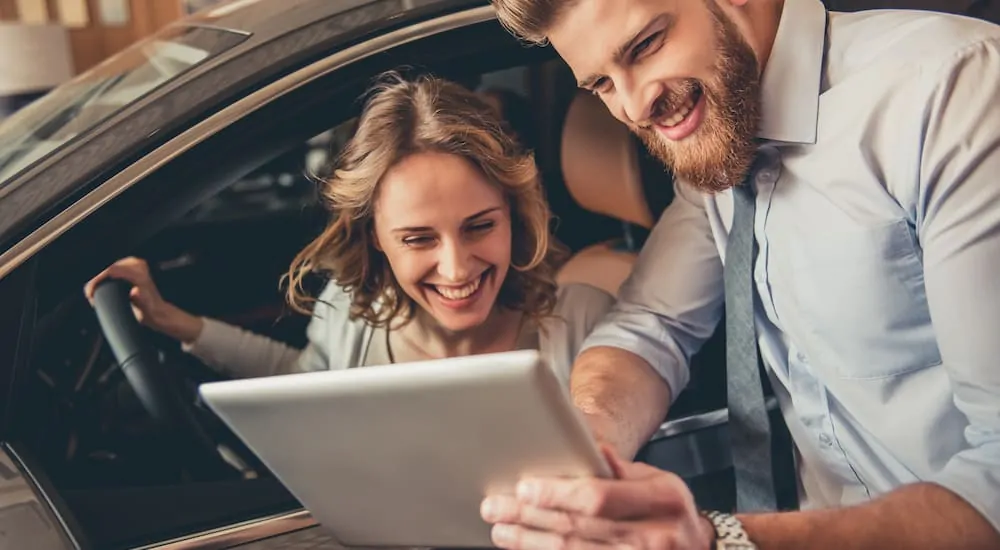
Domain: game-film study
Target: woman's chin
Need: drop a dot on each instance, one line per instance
(461, 321)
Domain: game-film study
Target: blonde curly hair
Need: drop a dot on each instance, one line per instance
(400, 118)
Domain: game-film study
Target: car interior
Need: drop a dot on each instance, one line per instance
(220, 226)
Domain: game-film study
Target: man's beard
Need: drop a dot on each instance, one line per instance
(720, 152)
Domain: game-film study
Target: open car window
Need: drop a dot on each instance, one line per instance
(219, 224)
(72, 109)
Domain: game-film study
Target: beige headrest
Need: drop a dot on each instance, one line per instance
(600, 162)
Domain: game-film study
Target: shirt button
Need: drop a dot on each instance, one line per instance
(767, 176)
(826, 440)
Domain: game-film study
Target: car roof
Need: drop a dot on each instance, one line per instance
(280, 35)
(265, 19)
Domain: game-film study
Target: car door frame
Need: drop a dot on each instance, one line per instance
(23, 253)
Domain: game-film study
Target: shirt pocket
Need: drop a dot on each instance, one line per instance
(860, 293)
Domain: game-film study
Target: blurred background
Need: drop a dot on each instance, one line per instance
(45, 42)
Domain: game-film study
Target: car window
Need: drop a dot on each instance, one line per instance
(223, 260)
(283, 185)
(73, 108)
(216, 253)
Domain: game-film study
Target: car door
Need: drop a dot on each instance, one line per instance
(99, 503)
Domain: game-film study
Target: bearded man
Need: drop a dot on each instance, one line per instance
(838, 189)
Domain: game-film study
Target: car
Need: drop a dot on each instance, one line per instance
(198, 149)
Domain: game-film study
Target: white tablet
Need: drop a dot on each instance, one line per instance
(402, 455)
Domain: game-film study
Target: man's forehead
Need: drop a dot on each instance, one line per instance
(589, 33)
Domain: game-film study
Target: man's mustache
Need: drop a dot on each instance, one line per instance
(671, 100)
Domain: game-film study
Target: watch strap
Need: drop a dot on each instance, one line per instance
(729, 532)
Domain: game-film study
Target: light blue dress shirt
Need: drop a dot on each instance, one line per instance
(878, 275)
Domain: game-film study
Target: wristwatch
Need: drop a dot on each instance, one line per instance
(729, 532)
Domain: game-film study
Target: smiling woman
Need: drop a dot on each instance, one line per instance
(438, 245)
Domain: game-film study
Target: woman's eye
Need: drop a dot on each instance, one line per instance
(417, 241)
(481, 227)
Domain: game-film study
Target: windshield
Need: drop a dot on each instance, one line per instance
(81, 104)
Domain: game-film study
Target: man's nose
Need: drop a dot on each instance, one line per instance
(454, 262)
(638, 100)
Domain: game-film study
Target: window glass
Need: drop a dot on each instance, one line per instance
(71, 109)
(120, 482)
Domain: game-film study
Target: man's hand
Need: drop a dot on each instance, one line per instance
(642, 508)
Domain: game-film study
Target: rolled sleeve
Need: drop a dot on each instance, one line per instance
(672, 301)
(959, 229)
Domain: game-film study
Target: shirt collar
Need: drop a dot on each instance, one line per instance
(790, 85)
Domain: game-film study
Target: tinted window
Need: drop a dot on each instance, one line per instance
(84, 102)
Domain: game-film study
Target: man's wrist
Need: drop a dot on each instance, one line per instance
(708, 531)
(728, 532)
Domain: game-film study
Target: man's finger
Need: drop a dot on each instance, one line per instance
(508, 510)
(513, 537)
(614, 499)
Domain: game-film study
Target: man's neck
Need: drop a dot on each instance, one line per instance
(765, 18)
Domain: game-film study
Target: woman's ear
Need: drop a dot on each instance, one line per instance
(374, 238)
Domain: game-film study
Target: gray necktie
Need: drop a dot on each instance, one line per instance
(749, 428)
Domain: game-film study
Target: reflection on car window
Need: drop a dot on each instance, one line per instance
(99, 447)
(84, 102)
(283, 186)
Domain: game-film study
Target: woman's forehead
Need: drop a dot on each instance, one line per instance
(430, 188)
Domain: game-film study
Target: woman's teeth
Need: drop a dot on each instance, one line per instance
(459, 293)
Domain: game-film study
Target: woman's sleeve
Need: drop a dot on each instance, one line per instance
(580, 308)
(243, 354)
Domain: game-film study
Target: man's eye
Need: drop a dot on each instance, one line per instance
(600, 86)
(644, 46)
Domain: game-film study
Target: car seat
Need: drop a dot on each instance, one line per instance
(601, 169)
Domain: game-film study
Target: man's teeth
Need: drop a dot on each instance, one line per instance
(459, 293)
(680, 114)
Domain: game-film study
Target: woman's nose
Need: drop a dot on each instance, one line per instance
(455, 262)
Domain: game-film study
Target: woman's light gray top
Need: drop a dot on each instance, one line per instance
(338, 342)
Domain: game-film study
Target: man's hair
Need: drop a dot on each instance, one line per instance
(530, 19)
(405, 117)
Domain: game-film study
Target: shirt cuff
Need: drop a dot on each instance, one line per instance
(666, 359)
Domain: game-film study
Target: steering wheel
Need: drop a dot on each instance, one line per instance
(156, 385)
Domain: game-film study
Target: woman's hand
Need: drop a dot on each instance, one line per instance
(148, 305)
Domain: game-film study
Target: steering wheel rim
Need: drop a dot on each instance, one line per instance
(156, 386)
